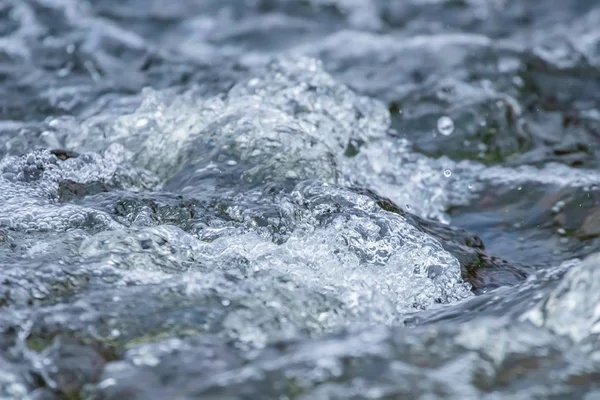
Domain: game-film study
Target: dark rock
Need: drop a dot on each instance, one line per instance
(72, 365)
(70, 190)
(64, 154)
(481, 270)
(591, 226)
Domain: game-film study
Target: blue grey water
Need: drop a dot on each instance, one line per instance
(299, 199)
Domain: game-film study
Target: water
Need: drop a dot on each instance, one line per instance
(445, 126)
(326, 199)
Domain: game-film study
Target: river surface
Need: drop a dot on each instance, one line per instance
(308, 199)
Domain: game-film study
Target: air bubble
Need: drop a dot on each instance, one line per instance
(107, 383)
(114, 334)
(142, 122)
(445, 126)
(558, 207)
(447, 173)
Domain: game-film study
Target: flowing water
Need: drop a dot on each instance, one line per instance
(308, 199)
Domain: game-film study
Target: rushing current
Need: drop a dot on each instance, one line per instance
(299, 199)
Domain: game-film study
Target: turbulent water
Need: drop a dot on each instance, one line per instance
(308, 199)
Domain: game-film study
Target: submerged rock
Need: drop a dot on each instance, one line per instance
(482, 271)
(70, 190)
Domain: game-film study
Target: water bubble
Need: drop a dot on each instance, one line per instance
(445, 219)
(408, 207)
(9, 176)
(107, 383)
(518, 81)
(64, 72)
(445, 126)
(142, 122)
(447, 173)
(558, 207)
(114, 334)
(291, 174)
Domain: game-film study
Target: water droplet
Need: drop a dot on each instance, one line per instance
(408, 207)
(115, 333)
(519, 188)
(64, 72)
(518, 81)
(226, 302)
(445, 126)
(561, 231)
(142, 122)
(291, 174)
(444, 219)
(447, 173)
(470, 186)
(558, 207)
(107, 383)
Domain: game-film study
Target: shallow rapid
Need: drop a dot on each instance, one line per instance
(324, 199)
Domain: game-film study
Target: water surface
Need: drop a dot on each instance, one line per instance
(326, 199)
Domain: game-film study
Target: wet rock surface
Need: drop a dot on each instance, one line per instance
(326, 199)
